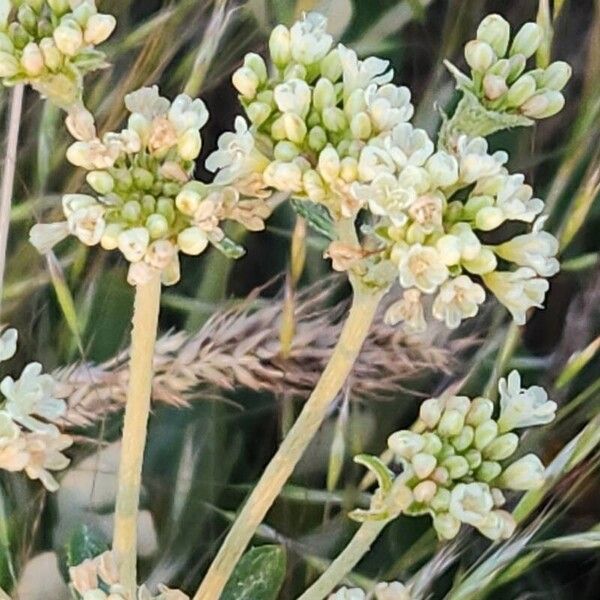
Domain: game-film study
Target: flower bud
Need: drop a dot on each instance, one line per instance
(517, 64)
(71, 203)
(9, 65)
(83, 11)
(431, 412)
(110, 236)
(101, 181)
(349, 169)
(464, 439)
(485, 433)
(192, 241)
(284, 176)
(527, 40)
(405, 444)
(59, 7)
(494, 86)
(451, 423)
(98, 28)
(329, 164)
(52, 55)
(488, 471)
(19, 36)
(32, 60)
(246, 82)
(257, 64)
(317, 139)
(188, 201)
(441, 501)
(424, 492)
(157, 226)
(446, 526)
(360, 126)
(495, 31)
(488, 218)
(133, 243)
(258, 112)
(527, 473)
(457, 466)
(27, 17)
(165, 206)
(280, 46)
(433, 444)
(68, 38)
(473, 458)
(479, 56)
(334, 119)
(331, 66)
(543, 105)
(324, 95)
(557, 75)
(286, 151)
(502, 447)
(423, 464)
(294, 127)
(295, 71)
(520, 91)
(189, 144)
(131, 211)
(314, 186)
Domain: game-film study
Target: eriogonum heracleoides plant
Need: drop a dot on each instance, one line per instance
(456, 462)
(30, 441)
(50, 45)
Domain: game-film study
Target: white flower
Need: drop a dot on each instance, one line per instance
(471, 503)
(421, 267)
(392, 591)
(498, 525)
(405, 444)
(388, 105)
(237, 155)
(360, 74)
(309, 42)
(293, 96)
(186, 113)
(409, 311)
(133, 243)
(474, 160)
(44, 236)
(527, 473)
(386, 197)
(87, 224)
(93, 155)
(147, 102)
(45, 455)
(80, 123)
(284, 176)
(374, 161)
(98, 28)
(13, 456)
(426, 211)
(518, 290)
(523, 407)
(8, 344)
(457, 299)
(345, 593)
(408, 146)
(32, 394)
(537, 250)
(443, 169)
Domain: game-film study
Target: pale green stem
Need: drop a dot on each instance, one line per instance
(8, 172)
(137, 409)
(280, 468)
(358, 546)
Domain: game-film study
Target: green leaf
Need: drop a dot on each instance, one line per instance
(316, 216)
(84, 543)
(258, 576)
(229, 248)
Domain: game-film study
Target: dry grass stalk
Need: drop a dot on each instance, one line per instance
(240, 346)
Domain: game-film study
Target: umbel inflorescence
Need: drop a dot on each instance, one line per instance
(30, 441)
(332, 130)
(145, 202)
(456, 461)
(50, 44)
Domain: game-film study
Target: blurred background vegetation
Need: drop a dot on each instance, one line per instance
(202, 458)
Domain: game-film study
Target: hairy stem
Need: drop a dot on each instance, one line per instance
(280, 468)
(137, 409)
(8, 173)
(358, 546)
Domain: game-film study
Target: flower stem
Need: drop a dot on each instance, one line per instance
(137, 409)
(354, 332)
(8, 173)
(358, 546)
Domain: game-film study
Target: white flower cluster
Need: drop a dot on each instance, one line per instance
(332, 129)
(455, 466)
(98, 579)
(498, 78)
(146, 205)
(50, 44)
(29, 439)
(383, 591)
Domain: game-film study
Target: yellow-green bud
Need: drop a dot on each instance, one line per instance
(481, 410)
(246, 82)
(485, 433)
(110, 236)
(446, 525)
(68, 38)
(258, 113)
(501, 68)
(32, 60)
(101, 181)
(324, 94)
(355, 103)
(317, 138)
(295, 71)
(451, 423)
(9, 65)
(19, 36)
(148, 204)
(464, 439)
(349, 169)
(479, 55)
(334, 119)
(286, 151)
(423, 464)
(6, 44)
(543, 105)
(457, 466)
(424, 492)
(527, 40)
(431, 412)
(257, 64)
(142, 178)
(192, 241)
(329, 164)
(360, 126)
(188, 201)
(27, 18)
(557, 75)
(52, 55)
(189, 144)
(433, 444)
(59, 7)
(441, 501)
(157, 226)
(165, 207)
(520, 91)
(83, 12)
(488, 218)
(488, 471)
(473, 457)
(494, 86)
(495, 31)
(98, 28)
(132, 211)
(405, 443)
(527, 473)
(517, 64)
(502, 447)
(280, 46)
(294, 127)
(331, 66)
